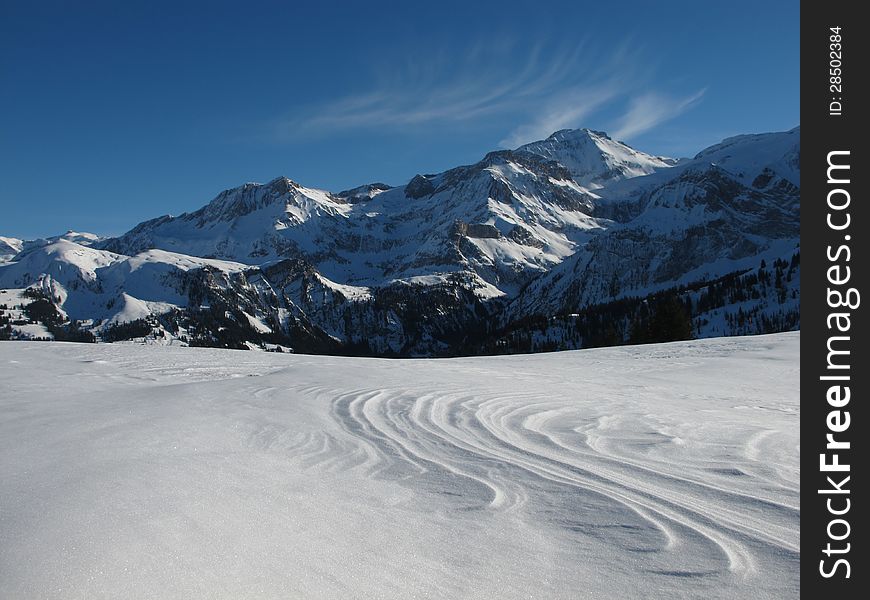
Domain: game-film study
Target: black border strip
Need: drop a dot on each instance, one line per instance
(831, 121)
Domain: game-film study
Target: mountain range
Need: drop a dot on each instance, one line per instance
(572, 241)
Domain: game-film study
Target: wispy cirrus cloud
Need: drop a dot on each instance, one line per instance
(544, 90)
(651, 109)
(565, 111)
(480, 82)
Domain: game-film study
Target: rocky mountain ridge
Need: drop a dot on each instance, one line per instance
(441, 264)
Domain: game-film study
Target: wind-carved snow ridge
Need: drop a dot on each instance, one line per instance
(546, 459)
(484, 449)
(655, 471)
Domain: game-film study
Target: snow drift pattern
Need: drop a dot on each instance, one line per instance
(653, 471)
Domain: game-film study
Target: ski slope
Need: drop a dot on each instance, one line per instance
(661, 471)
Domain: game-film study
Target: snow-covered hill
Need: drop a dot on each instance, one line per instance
(9, 247)
(554, 227)
(658, 471)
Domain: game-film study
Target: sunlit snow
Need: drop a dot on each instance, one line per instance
(654, 471)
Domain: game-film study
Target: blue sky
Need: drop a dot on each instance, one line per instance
(115, 112)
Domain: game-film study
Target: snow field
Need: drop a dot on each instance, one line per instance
(654, 471)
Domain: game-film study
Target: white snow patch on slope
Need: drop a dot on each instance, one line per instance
(181, 261)
(179, 472)
(351, 292)
(256, 324)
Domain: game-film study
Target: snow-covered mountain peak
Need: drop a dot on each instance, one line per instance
(79, 237)
(246, 198)
(582, 133)
(278, 198)
(594, 159)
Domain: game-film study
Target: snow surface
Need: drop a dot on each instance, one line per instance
(654, 471)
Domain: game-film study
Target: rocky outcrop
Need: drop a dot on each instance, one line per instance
(474, 230)
(418, 187)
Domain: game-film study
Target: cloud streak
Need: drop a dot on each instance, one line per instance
(567, 110)
(436, 90)
(649, 110)
(545, 90)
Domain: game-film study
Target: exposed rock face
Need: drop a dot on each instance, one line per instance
(363, 193)
(521, 235)
(418, 187)
(482, 231)
(475, 230)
